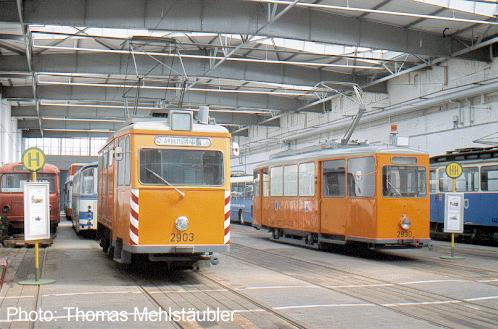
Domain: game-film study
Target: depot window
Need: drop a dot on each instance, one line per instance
(13, 182)
(181, 167)
(404, 181)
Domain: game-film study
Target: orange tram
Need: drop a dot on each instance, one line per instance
(371, 195)
(12, 176)
(164, 192)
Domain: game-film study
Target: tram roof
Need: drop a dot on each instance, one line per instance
(338, 151)
(466, 155)
(164, 126)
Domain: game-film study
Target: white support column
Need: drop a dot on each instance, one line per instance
(13, 140)
(19, 145)
(6, 123)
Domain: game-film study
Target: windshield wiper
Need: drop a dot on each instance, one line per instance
(393, 187)
(182, 194)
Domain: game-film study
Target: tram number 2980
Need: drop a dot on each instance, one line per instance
(405, 234)
(181, 237)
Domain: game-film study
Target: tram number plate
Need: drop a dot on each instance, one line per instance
(405, 234)
(181, 237)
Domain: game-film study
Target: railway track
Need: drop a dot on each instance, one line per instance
(430, 307)
(198, 291)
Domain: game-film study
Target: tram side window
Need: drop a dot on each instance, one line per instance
(121, 164)
(124, 164)
(88, 181)
(127, 159)
(307, 179)
(276, 181)
(361, 177)
(290, 180)
(489, 178)
(433, 181)
(333, 178)
(236, 191)
(266, 192)
(256, 183)
(467, 182)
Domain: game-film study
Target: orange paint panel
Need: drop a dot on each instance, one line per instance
(159, 209)
(334, 215)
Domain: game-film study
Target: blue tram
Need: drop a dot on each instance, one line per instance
(84, 198)
(242, 190)
(479, 183)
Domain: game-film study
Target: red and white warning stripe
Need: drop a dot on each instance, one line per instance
(226, 225)
(134, 211)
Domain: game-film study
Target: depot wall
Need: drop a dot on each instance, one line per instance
(455, 124)
(10, 136)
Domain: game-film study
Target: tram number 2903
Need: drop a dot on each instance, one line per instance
(181, 237)
(405, 234)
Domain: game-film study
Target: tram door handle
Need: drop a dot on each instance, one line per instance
(466, 203)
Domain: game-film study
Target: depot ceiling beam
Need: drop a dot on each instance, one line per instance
(194, 98)
(377, 11)
(211, 58)
(237, 17)
(116, 115)
(112, 64)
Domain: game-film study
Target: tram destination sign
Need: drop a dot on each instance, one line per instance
(182, 141)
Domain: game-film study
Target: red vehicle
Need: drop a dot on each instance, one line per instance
(74, 168)
(11, 195)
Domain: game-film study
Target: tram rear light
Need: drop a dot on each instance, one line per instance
(405, 223)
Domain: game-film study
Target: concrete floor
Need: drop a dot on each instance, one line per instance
(266, 284)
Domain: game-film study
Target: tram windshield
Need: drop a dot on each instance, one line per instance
(13, 182)
(404, 181)
(181, 167)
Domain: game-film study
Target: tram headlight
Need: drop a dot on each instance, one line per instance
(6, 209)
(405, 223)
(181, 223)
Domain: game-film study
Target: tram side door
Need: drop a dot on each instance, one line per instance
(257, 208)
(334, 208)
